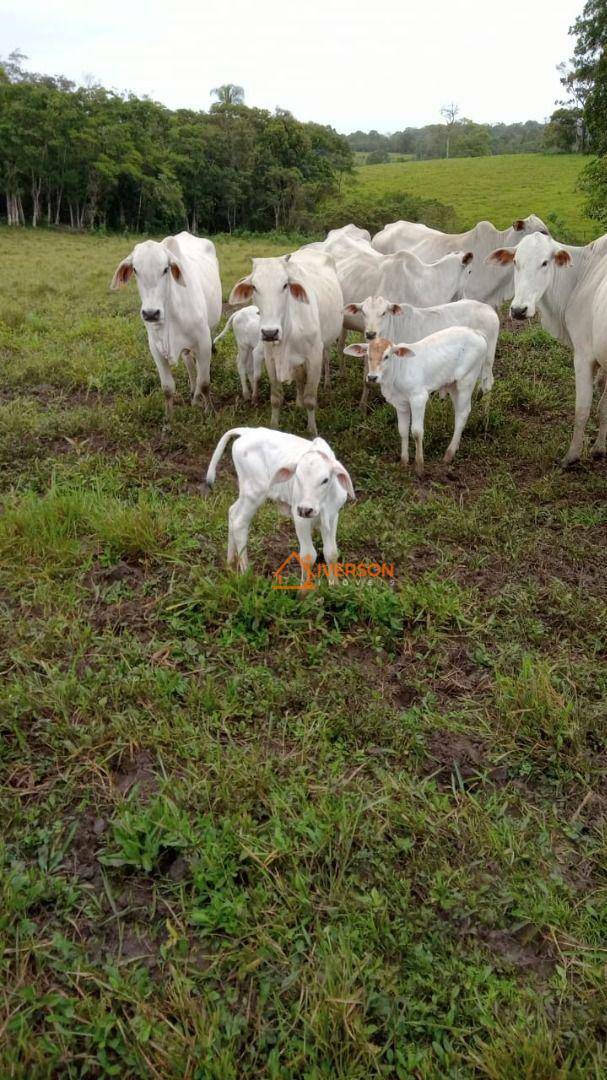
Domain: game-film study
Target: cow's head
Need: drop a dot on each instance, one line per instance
(377, 353)
(154, 266)
(461, 263)
(375, 311)
(272, 284)
(526, 226)
(313, 477)
(536, 259)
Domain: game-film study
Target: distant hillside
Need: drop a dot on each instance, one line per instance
(498, 188)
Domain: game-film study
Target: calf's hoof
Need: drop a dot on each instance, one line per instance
(567, 462)
(598, 454)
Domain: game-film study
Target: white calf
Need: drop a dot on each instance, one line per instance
(404, 322)
(450, 360)
(301, 476)
(245, 325)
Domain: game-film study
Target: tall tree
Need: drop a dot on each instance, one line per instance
(229, 94)
(449, 114)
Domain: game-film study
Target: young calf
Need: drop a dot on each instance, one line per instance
(301, 476)
(404, 322)
(450, 360)
(245, 325)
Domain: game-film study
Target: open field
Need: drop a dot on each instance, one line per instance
(499, 188)
(359, 833)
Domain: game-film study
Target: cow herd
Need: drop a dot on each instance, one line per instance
(425, 302)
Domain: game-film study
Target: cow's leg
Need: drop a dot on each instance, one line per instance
(242, 357)
(418, 410)
(190, 363)
(240, 515)
(326, 358)
(203, 375)
(310, 396)
(300, 384)
(276, 394)
(403, 415)
(583, 402)
(341, 344)
(328, 531)
(167, 383)
(365, 394)
(307, 551)
(461, 396)
(598, 450)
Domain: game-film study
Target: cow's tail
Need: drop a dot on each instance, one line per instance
(225, 330)
(218, 453)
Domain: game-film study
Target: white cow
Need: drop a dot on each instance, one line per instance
(300, 305)
(245, 325)
(180, 290)
(450, 360)
(424, 284)
(303, 477)
(568, 286)
(404, 322)
(431, 244)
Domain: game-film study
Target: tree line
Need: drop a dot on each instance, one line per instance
(464, 138)
(92, 158)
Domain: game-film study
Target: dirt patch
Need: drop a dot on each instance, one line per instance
(453, 753)
(136, 769)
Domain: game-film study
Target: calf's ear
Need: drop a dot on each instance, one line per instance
(402, 351)
(298, 292)
(243, 290)
(467, 258)
(562, 258)
(283, 474)
(343, 478)
(395, 309)
(352, 309)
(356, 350)
(122, 273)
(500, 257)
(176, 272)
(519, 225)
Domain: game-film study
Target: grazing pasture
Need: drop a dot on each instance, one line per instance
(499, 188)
(352, 833)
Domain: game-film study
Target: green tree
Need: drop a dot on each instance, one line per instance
(229, 94)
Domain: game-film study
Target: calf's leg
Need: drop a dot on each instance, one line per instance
(403, 415)
(461, 396)
(307, 551)
(418, 410)
(242, 357)
(240, 516)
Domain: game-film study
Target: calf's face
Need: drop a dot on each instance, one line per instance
(378, 352)
(271, 286)
(153, 266)
(375, 311)
(312, 476)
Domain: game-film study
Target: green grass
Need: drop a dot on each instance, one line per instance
(354, 834)
(498, 188)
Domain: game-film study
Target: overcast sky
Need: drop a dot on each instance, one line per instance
(353, 65)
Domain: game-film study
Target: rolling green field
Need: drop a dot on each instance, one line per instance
(499, 188)
(349, 834)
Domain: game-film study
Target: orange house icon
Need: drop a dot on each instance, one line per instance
(292, 560)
